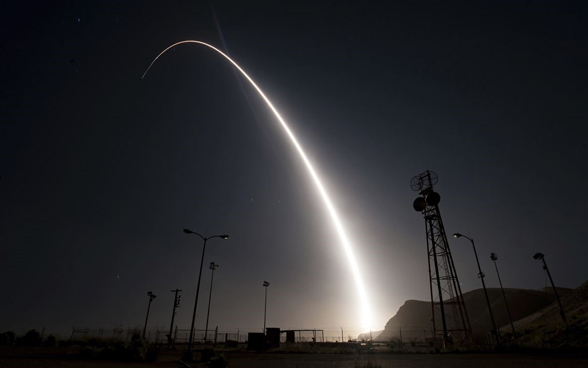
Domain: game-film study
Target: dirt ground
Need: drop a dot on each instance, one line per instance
(249, 360)
(407, 361)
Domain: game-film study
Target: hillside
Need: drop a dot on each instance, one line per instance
(546, 329)
(413, 318)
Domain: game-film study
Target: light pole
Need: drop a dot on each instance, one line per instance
(541, 256)
(481, 276)
(494, 257)
(213, 267)
(191, 340)
(151, 297)
(265, 285)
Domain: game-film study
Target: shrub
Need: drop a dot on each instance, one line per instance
(90, 352)
(135, 350)
(138, 348)
(50, 341)
(218, 361)
(206, 355)
(152, 353)
(7, 338)
(31, 338)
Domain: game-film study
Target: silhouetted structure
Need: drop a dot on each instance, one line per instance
(187, 231)
(265, 285)
(541, 256)
(151, 297)
(213, 266)
(494, 258)
(256, 341)
(291, 335)
(272, 339)
(446, 295)
(481, 276)
(176, 305)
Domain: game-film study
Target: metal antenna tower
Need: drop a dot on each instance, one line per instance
(449, 315)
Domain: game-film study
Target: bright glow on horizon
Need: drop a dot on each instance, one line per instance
(366, 313)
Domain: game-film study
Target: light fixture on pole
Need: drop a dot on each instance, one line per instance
(213, 266)
(265, 285)
(191, 340)
(541, 256)
(494, 257)
(151, 297)
(481, 276)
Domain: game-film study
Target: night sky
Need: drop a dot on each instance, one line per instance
(101, 170)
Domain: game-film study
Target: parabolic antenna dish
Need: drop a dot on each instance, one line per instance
(433, 177)
(416, 184)
(424, 181)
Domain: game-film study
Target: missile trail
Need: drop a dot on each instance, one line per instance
(366, 314)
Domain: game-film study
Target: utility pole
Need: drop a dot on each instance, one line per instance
(176, 305)
(151, 297)
(213, 266)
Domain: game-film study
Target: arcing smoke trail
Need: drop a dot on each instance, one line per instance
(366, 316)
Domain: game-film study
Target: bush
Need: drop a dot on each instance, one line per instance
(90, 352)
(31, 338)
(206, 355)
(152, 353)
(50, 341)
(136, 350)
(7, 338)
(218, 361)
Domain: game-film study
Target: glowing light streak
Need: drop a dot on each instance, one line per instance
(366, 314)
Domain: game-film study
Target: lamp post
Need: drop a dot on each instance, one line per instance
(494, 257)
(265, 285)
(151, 297)
(213, 266)
(541, 256)
(481, 276)
(191, 340)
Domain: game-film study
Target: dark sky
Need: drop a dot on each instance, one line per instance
(101, 170)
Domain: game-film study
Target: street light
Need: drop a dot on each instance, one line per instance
(265, 285)
(494, 257)
(213, 267)
(541, 256)
(191, 340)
(151, 297)
(481, 276)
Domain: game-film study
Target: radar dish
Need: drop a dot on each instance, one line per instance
(433, 199)
(424, 181)
(419, 204)
(433, 177)
(416, 184)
